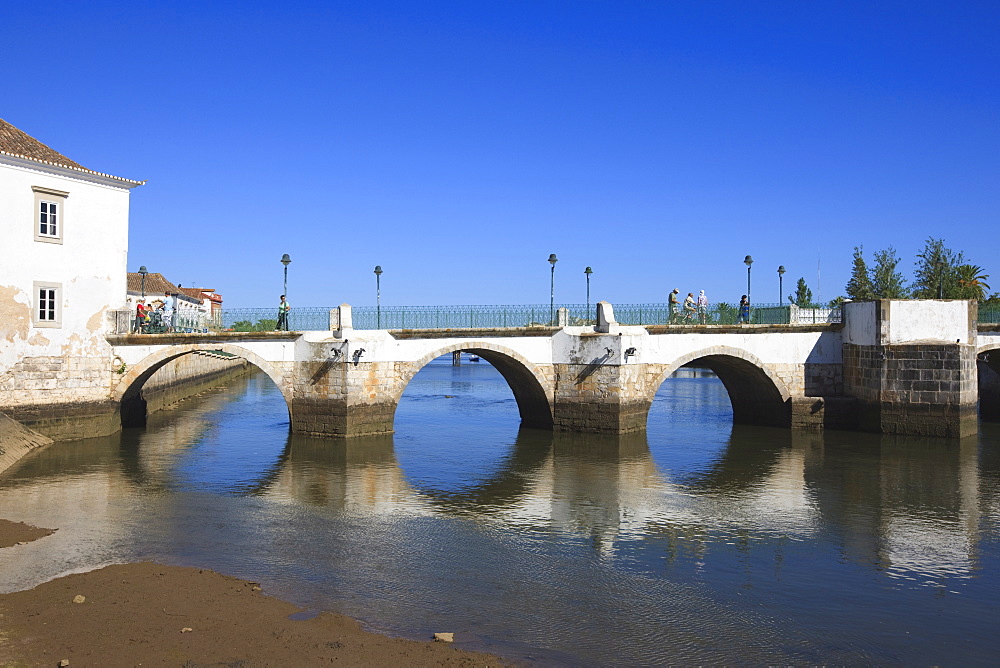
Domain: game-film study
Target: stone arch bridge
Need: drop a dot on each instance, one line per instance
(893, 367)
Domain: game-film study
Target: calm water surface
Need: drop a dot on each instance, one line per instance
(696, 542)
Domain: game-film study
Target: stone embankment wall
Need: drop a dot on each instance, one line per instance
(62, 396)
(188, 375)
(72, 394)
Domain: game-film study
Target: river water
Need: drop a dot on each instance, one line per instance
(697, 542)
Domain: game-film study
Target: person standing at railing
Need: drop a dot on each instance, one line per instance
(702, 307)
(744, 310)
(283, 309)
(140, 317)
(672, 305)
(169, 304)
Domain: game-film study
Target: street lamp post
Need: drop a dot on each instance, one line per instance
(285, 260)
(552, 288)
(748, 261)
(378, 296)
(781, 291)
(142, 272)
(939, 266)
(588, 271)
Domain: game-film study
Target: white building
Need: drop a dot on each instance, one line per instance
(65, 237)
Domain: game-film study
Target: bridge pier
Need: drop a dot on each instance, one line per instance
(600, 397)
(912, 366)
(343, 396)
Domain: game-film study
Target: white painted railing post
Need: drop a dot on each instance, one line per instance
(605, 317)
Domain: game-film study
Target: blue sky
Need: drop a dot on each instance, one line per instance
(458, 144)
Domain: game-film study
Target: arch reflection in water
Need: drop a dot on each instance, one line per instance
(730, 543)
(189, 449)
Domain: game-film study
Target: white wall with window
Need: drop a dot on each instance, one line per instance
(65, 244)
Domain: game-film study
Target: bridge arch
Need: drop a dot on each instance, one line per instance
(988, 376)
(128, 393)
(532, 390)
(758, 395)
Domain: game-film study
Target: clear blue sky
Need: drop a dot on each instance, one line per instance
(457, 144)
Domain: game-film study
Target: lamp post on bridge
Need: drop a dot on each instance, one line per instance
(748, 261)
(781, 291)
(378, 296)
(552, 288)
(142, 272)
(285, 260)
(588, 271)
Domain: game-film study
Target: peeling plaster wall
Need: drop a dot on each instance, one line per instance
(71, 362)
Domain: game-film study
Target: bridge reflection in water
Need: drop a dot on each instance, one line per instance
(765, 512)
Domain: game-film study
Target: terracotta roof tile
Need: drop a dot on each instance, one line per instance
(21, 143)
(156, 284)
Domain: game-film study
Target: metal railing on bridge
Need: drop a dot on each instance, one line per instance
(469, 317)
(989, 313)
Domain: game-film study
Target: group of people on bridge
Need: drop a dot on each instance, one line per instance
(150, 319)
(698, 306)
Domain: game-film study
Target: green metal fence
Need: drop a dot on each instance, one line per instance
(467, 317)
(989, 313)
(486, 317)
(307, 319)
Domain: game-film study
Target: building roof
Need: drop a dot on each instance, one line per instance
(19, 144)
(155, 284)
(202, 293)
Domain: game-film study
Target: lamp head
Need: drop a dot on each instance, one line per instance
(781, 269)
(143, 270)
(553, 259)
(285, 260)
(378, 270)
(748, 260)
(588, 271)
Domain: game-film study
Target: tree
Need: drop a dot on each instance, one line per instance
(936, 273)
(859, 287)
(887, 283)
(803, 295)
(971, 282)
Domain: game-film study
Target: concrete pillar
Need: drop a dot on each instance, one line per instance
(911, 365)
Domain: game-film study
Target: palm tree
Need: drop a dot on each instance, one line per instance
(971, 282)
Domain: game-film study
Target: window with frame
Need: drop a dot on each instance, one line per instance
(50, 214)
(48, 309)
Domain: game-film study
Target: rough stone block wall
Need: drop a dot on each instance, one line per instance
(598, 397)
(927, 389)
(821, 380)
(63, 398)
(337, 398)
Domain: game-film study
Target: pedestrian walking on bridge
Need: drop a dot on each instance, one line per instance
(702, 307)
(283, 309)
